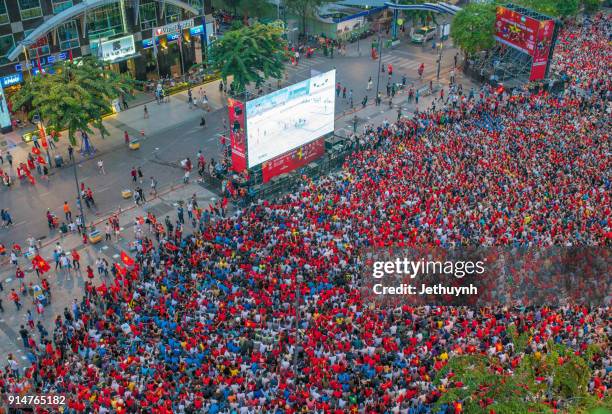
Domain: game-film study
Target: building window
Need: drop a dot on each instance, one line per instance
(60, 5)
(68, 35)
(30, 9)
(4, 17)
(7, 43)
(173, 13)
(43, 49)
(148, 16)
(104, 21)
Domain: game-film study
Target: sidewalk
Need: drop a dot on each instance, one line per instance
(67, 286)
(161, 117)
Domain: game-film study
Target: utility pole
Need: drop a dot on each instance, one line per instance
(379, 62)
(440, 47)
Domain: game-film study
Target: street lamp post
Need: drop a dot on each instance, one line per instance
(441, 46)
(78, 187)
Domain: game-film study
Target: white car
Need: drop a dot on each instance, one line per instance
(423, 34)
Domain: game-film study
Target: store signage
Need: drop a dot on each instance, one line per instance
(112, 50)
(11, 80)
(44, 61)
(174, 27)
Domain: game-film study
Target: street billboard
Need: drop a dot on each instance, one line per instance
(516, 30)
(237, 136)
(541, 55)
(292, 160)
(290, 118)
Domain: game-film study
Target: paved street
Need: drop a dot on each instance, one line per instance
(172, 132)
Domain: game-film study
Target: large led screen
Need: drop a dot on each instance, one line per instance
(290, 117)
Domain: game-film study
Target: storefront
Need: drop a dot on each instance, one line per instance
(176, 49)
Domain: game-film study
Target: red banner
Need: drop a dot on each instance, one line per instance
(542, 50)
(237, 134)
(516, 30)
(293, 159)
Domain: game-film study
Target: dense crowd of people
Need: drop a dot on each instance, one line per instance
(261, 311)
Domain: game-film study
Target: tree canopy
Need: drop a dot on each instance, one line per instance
(78, 95)
(250, 54)
(473, 27)
(537, 378)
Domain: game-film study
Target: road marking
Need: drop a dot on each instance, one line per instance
(20, 223)
(102, 190)
(8, 279)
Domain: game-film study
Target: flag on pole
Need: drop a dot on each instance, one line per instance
(127, 260)
(41, 264)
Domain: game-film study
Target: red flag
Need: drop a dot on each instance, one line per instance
(120, 269)
(171, 247)
(35, 151)
(126, 259)
(41, 264)
(41, 160)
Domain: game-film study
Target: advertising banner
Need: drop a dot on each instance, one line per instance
(295, 158)
(237, 134)
(115, 49)
(542, 50)
(516, 30)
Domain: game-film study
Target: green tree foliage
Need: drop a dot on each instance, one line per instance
(473, 27)
(250, 54)
(565, 379)
(304, 9)
(78, 95)
(591, 6)
(552, 8)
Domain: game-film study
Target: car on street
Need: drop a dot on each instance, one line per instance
(423, 34)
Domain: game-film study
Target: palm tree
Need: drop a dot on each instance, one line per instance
(77, 95)
(250, 55)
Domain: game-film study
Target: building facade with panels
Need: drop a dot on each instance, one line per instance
(35, 34)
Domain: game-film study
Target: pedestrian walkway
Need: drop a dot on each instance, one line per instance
(133, 120)
(65, 286)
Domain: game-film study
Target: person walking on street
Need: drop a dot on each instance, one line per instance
(9, 158)
(76, 259)
(146, 112)
(153, 186)
(23, 332)
(15, 298)
(369, 84)
(101, 167)
(134, 175)
(67, 211)
(140, 175)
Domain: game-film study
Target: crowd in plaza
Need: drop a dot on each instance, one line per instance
(261, 311)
